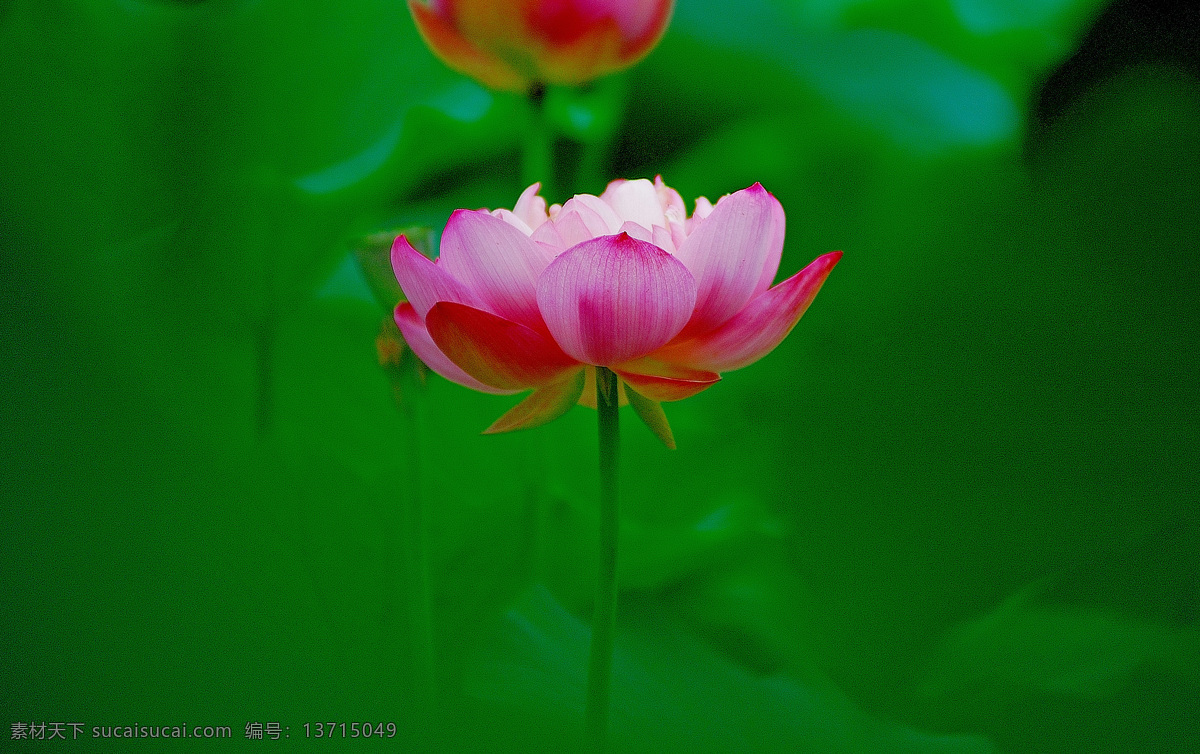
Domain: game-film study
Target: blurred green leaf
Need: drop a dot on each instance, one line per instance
(931, 75)
(374, 256)
(1026, 646)
(670, 691)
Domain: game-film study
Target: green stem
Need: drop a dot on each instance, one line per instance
(604, 617)
(537, 152)
(537, 166)
(591, 169)
(415, 535)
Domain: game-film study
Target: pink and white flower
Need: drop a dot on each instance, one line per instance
(537, 298)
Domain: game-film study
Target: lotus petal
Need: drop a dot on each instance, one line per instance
(423, 281)
(660, 381)
(496, 261)
(614, 298)
(728, 255)
(758, 328)
(417, 337)
(496, 351)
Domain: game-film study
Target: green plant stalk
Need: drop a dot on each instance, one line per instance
(419, 589)
(537, 150)
(592, 168)
(605, 615)
(537, 166)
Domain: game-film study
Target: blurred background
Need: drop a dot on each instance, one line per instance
(954, 512)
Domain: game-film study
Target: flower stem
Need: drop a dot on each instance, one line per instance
(415, 544)
(604, 617)
(537, 151)
(591, 168)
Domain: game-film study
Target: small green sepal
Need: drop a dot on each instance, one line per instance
(651, 413)
(543, 405)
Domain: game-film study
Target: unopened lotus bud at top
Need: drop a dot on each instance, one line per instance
(516, 44)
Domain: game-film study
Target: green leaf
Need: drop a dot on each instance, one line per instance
(1028, 646)
(933, 76)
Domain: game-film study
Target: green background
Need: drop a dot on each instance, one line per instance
(954, 511)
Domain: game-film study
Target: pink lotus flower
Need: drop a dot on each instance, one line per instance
(625, 280)
(512, 44)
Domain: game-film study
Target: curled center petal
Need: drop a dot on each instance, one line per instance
(614, 298)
